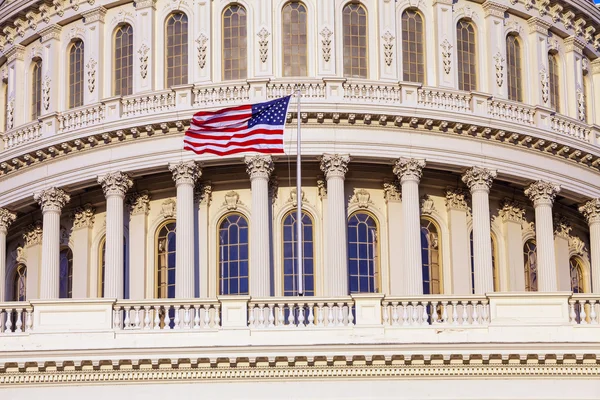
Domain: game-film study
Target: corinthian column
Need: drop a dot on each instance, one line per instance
(335, 167)
(185, 175)
(591, 212)
(6, 219)
(409, 172)
(479, 181)
(114, 185)
(52, 201)
(259, 168)
(542, 194)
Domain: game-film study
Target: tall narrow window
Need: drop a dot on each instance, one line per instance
(66, 274)
(531, 274)
(413, 47)
(36, 89)
(76, 52)
(553, 82)
(294, 27)
(165, 265)
(290, 257)
(235, 44)
(176, 49)
(465, 53)
(233, 255)
(577, 283)
(123, 59)
(431, 257)
(363, 253)
(20, 283)
(513, 63)
(355, 40)
(496, 280)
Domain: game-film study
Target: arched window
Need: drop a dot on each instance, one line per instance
(413, 47)
(165, 261)
(465, 53)
(514, 75)
(36, 89)
(235, 46)
(20, 283)
(290, 258)
(495, 276)
(577, 282)
(233, 255)
(176, 50)
(530, 255)
(431, 257)
(363, 253)
(355, 40)
(553, 82)
(76, 52)
(66, 273)
(123, 61)
(293, 29)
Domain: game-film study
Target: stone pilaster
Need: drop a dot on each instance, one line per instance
(83, 222)
(203, 198)
(495, 41)
(335, 166)
(139, 206)
(114, 185)
(51, 201)
(6, 219)
(562, 233)
(512, 214)
(591, 212)
(51, 90)
(457, 208)
(93, 57)
(393, 199)
(542, 194)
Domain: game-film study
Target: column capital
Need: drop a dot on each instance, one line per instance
(16, 52)
(335, 165)
(51, 32)
(138, 202)
(115, 184)
(94, 15)
(139, 5)
(409, 169)
(591, 211)
(456, 199)
(494, 9)
(259, 166)
(33, 234)
(52, 199)
(479, 179)
(391, 190)
(574, 43)
(83, 217)
(542, 192)
(562, 226)
(537, 24)
(512, 211)
(6, 219)
(185, 172)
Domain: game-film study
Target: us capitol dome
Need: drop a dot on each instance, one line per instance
(450, 200)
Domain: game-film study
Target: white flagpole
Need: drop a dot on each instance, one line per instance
(299, 249)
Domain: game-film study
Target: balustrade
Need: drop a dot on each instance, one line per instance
(310, 89)
(22, 135)
(570, 127)
(15, 317)
(357, 91)
(226, 94)
(81, 117)
(445, 99)
(511, 111)
(447, 310)
(300, 313)
(584, 309)
(148, 104)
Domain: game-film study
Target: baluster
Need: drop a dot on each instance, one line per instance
(176, 320)
(127, 321)
(167, 318)
(465, 316)
(280, 316)
(19, 323)
(404, 313)
(146, 318)
(445, 312)
(311, 317)
(386, 317)
(206, 319)
(484, 318)
(217, 316)
(330, 314)
(593, 319)
(261, 315)
(582, 314)
(291, 317)
(186, 317)
(271, 315)
(8, 324)
(156, 317)
(28, 321)
(350, 316)
(572, 314)
(425, 315)
(395, 316)
(320, 316)
(251, 316)
(475, 315)
(116, 317)
(415, 315)
(137, 317)
(340, 315)
(301, 315)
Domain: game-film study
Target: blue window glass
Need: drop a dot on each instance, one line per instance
(576, 272)
(290, 259)
(363, 253)
(233, 255)
(165, 263)
(430, 257)
(530, 256)
(66, 274)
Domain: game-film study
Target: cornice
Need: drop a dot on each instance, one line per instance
(51, 32)
(16, 52)
(537, 24)
(574, 43)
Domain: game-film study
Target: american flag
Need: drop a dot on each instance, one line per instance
(251, 127)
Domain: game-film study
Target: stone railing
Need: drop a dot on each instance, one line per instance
(511, 111)
(156, 102)
(23, 134)
(584, 309)
(300, 312)
(369, 92)
(15, 317)
(221, 94)
(433, 310)
(570, 127)
(310, 89)
(445, 99)
(166, 314)
(81, 117)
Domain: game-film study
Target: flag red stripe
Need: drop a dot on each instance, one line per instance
(245, 143)
(236, 151)
(223, 110)
(196, 135)
(219, 121)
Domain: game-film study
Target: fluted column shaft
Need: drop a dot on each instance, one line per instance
(479, 181)
(185, 175)
(259, 169)
(591, 211)
(52, 201)
(543, 194)
(409, 172)
(335, 167)
(6, 219)
(115, 185)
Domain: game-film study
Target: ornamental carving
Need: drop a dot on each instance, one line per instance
(427, 205)
(168, 208)
(456, 199)
(388, 48)
(115, 184)
(545, 81)
(6, 219)
(138, 202)
(512, 211)
(273, 188)
(83, 217)
(91, 72)
(555, 12)
(121, 17)
(446, 55)
(335, 165)
(576, 246)
(232, 199)
(391, 190)
(59, 7)
(46, 92)
(580, 103)
(294, 197)
(77, 31)
(562, 226)
(20, 256)
(479, 179)
(321, 187)
(202, 43)
(361, 198)
(409, 169)
(52, 199)
(33, 234)
(259, 166)
(143, 52)
(499, 64)
(185, 172)
(542, 192)
(591, 211)
(10, 113)
(263, 44)
(326, 43)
